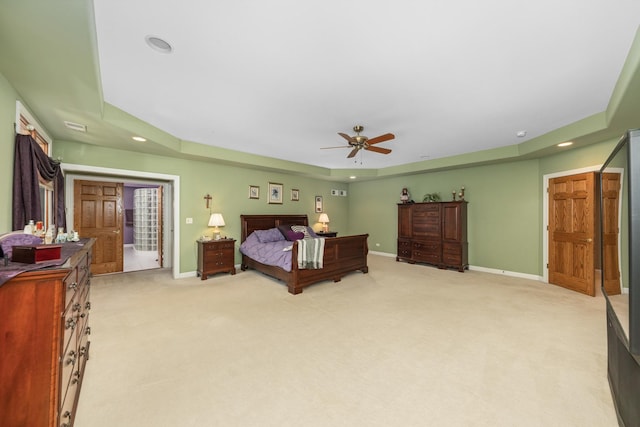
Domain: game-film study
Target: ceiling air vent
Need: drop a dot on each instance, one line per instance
(76, 126)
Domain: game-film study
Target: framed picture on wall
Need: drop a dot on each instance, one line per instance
(295, 194)
(318, 204)
(254, 192)
(275, 193)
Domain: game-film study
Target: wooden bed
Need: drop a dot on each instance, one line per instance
(341, 254)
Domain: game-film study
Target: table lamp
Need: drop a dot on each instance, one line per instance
(216, 220)
(324, 219)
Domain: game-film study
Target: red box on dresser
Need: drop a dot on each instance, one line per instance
(35, 254)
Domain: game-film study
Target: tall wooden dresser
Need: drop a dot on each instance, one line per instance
(44, 337)
(433, 233)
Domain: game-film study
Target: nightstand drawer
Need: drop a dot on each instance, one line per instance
(216, 246)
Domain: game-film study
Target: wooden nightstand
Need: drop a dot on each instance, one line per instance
(327, 233)
(216, 256)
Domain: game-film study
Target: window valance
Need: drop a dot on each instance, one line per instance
(30, 163)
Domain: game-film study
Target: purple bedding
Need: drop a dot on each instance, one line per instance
(268, 248)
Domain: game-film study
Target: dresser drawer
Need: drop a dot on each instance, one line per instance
(69, 364)
(70, 323)
(451, 259)
(426, 257)
(430, 252)
(427, 246)
(66, 411)
(83, 313)
(404, 249)
(452, 249)
(71, 285)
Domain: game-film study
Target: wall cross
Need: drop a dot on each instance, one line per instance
(208, 199)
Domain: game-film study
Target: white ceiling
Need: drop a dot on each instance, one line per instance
(281, 78)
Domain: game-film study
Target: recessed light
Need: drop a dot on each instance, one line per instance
(521, 133)
(352, 177)
(565, 144)
(138, 138)
(158, 44)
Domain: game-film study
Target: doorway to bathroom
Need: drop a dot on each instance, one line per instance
(168, 211)
(142, 238)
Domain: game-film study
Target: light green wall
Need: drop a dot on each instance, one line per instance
(503, 211)
(228, 185)
(591, 155)
(8, 97)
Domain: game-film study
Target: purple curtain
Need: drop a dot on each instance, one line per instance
(28, 161)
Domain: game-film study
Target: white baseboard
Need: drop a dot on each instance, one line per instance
(482, 269)
(383, 254)
(195, 273)
(187, 274)
(388, 255)
(506, 273)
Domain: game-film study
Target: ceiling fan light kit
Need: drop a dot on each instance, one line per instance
(359, 142)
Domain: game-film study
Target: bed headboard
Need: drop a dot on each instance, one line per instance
(250, 223)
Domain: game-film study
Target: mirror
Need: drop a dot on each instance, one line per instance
(615, 232)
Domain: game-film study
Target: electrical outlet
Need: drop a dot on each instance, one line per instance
(343, 193)
(189, 220)
(334, 193)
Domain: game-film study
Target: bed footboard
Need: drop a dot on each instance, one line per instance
(342, 255)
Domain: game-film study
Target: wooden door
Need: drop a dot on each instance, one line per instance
(572, 216)
(610, 232)
(452, 224)
(98, 213)
(404, 221)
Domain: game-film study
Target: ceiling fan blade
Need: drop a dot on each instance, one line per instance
(339, 146)
(381, 138)
(378, 150)
(347, 137)
(353, 152)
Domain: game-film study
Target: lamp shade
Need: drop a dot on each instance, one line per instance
(324, 218)
(216, 220)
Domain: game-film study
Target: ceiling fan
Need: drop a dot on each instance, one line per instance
(360, 142)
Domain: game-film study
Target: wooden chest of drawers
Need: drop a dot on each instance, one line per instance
(216, 256)
(44, 334)
(433, 233)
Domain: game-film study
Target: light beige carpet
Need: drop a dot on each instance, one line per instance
(405, 345)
